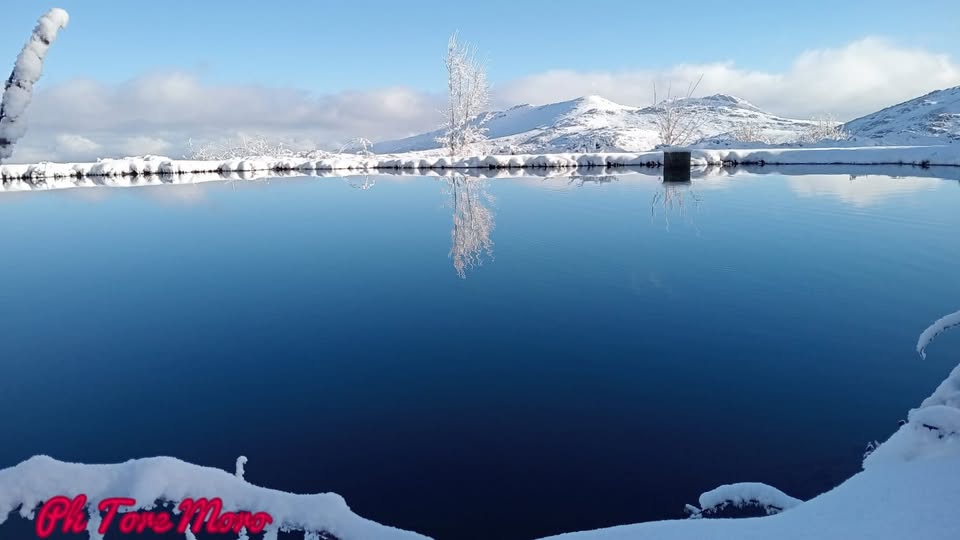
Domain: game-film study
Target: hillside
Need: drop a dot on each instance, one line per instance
(595, 124)
(930, 119)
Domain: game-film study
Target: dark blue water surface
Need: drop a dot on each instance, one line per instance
(622, 347)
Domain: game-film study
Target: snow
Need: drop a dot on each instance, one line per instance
(936, 329)
(166, 479)
(592, 123)
(930, 119)
(133, 170)
(916, 500)
(747, 493)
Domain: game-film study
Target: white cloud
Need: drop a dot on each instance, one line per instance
(847, 82)
(75, 144)
(157, 113)
(160, 112)
(860, 192)
(141, 145)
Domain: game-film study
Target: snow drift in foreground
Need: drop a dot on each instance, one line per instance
(166, 479)
(26, 72)
(157, 165)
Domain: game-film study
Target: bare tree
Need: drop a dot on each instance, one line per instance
(468, 97)
(677, 123)
(472, 223)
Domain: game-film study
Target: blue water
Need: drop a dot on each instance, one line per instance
(611, 358)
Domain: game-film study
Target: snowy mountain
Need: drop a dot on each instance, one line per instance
(595, 124)
(930, 119)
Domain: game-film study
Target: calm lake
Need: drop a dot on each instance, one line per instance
(477, 359)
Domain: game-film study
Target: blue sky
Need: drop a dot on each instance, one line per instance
(358, 44)
(137, 77)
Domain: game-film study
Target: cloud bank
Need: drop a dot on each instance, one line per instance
(159, 112)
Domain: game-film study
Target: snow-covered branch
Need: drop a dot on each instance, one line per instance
(935, 329)
(18, 90)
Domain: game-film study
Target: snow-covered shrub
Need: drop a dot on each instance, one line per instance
(243, 146)
(824, 128)
(749, 132)
(468, 96)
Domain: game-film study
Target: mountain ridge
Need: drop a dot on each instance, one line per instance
(593, 123)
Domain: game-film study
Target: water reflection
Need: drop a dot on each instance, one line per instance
(364, 182)
(677, 198)
(473, 222)
(860, 191)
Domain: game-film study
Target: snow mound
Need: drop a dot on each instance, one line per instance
(745, 494)
(40, 478)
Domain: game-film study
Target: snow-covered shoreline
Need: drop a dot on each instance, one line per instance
(924, 156)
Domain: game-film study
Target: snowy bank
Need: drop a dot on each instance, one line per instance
(41, 478)
(948, 155)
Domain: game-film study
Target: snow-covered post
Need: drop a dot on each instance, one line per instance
(468, 96)
(26, 72)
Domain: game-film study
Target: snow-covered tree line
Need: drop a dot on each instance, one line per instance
(468, 95)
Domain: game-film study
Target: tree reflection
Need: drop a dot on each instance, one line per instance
(365, 182)
(472, 222)
(675, 198)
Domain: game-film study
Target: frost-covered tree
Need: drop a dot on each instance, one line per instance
(677, 123)
(749, 132)
(472, 223)
(243, 146)
(18, 91)
(468, 96)
(361, 146)
(823, 128)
